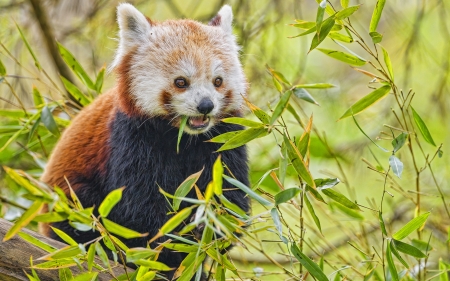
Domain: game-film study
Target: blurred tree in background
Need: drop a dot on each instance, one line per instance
(414, 33)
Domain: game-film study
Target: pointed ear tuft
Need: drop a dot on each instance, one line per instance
(134, 26)
(224, 19)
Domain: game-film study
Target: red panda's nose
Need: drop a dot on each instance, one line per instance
(205, 106)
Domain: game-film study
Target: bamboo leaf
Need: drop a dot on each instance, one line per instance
(444, 271)
(387, 61)
(36, 62)
(312, 213)
(376, 37)
(391, 265)
(217, 176)
(248, 190)
(263, 116)
(399, 141)
(184, 189)
(396, 165)
(23, 221)
(315, 86)
(99, 80)
(75, 66)
(408, 249)
(91, 256)
(344, 3)
(411, 226)
(284, 100)
(223, 138)
(376, 15)
(361, 130)
(135, 254)
(382, 224)
(286, 195)
(346, 12)
(311, 266)
(422, 128)
(244, 137)
(155, 265)
(397, 254)
(38, 243)
(173, 222)
(277, 221)
(298, 162)
(110, 201)
(326, 183)
(37, 97)
(2, 69)
(303, 94)
(66, 238)
(86, 276)
(322, 33)
(349, 212)
(121, 230)
(75, 92)
(55, 264)
(340, 198)
(340, 37)
(367, 101)
(49, 122)
(344, 57)
(183, 122)
(242, 121)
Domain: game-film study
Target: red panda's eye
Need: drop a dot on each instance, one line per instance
(181, 82)
(218, 82)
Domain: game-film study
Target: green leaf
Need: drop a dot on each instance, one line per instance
(298, 162)
(344, 3)
(110, 201)
(16, 175)
(325, 28)
(312, 213)
(258, 112)
(387, 61)
(121, 230)
(422, 128)
(37, 97)
(55, 264)
(278, 75)
(320, 13)
(49, 122)
(340, 37)
(23, 221)
(248, 190)
(174, 221)
(396, 165)
(303, 144)
(391, 265)
(277, 221)
(284, 100)
(156, 265)
(376, 15)
(397, 254)
(376, 37)
(242, 121)
(38, 243)
(277, 85)
(315, 193)
(340, 198)
(86, 276)
(99, 80)
(65, 274)
(311, 266)
(286, 195)
(412, 225)
(183, 122)
(233, 207)
(135, 254)
(244, 137)
(101, 254)
(91, 256)
(217, 176)
(326, 183)
(36, 62)
(344, 57)
(12, 113)
(223, 138)
(180, 247)
(75, 92)
(66, 252)
(346, 12)
(304, 95)
(408, 249)
(315, 86)
(76, 67)
(444, 271)
(349, 212)
(367, 101)
(184, 189)
(66, 238)
(422, 245)
(399, 141)
(382, 224)
(361, 130)
(2, 69)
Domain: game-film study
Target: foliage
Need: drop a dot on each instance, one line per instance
(395, 240)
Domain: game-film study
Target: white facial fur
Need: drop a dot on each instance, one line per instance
(164, 51)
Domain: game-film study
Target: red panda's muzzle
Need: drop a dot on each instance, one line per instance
(198, 122)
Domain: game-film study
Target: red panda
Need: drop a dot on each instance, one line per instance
(127, 136)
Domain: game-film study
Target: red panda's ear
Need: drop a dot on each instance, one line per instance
(134, 26)
(224, 19)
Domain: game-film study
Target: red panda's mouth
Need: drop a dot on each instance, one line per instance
(198, 122)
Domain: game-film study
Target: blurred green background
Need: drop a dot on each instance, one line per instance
(415, 33)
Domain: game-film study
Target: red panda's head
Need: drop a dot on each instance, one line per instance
(179, 68)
